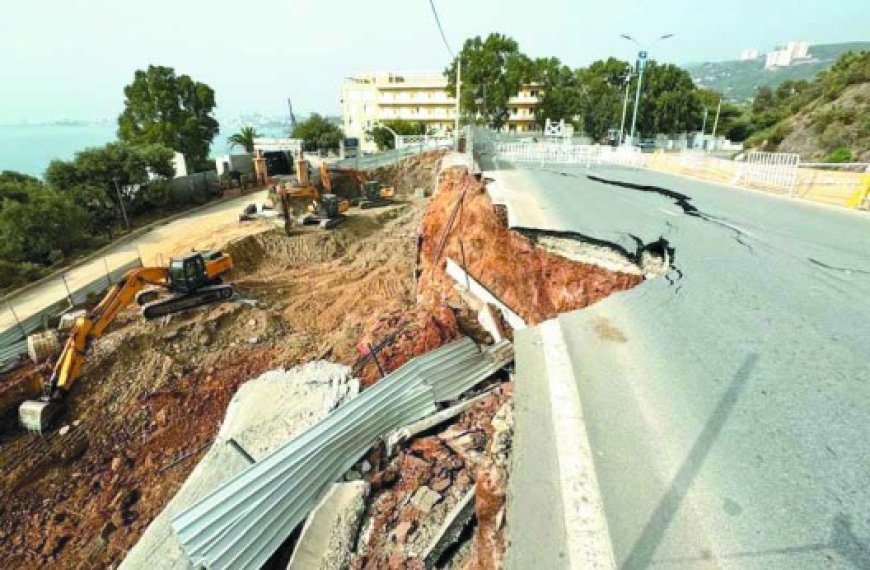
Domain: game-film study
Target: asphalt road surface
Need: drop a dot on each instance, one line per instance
(727, 403)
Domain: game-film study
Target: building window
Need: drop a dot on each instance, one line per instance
(533, 93)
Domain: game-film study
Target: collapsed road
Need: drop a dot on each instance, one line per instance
(727, 405)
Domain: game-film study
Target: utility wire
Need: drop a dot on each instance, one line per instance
(440, 28)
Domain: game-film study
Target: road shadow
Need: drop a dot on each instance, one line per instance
(842, 541)
(645, 546)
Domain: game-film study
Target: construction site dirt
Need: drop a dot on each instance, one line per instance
(154, 393)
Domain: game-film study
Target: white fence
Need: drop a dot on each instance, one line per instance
(561, 153)
(775, 170)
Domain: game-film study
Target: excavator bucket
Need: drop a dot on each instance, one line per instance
(38, 415)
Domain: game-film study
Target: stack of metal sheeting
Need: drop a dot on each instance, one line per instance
(240, 524)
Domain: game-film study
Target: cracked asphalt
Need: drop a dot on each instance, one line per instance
(728, 403)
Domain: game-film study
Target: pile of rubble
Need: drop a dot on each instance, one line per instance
(424, 499)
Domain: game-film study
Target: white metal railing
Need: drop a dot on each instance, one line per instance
(773, 170)
(566, 153)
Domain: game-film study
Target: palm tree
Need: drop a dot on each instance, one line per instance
(244, 138)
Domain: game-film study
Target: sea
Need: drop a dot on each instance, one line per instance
(28, 148)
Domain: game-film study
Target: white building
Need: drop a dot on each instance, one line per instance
(784, 56)
(371, 98)
(749, 54)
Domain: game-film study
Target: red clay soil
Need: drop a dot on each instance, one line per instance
(82, 499)
(534, 283)
(405, 335)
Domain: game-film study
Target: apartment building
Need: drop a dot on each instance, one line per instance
(367, 99)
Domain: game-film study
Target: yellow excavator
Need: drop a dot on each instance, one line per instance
(190, 281)
(324, 209)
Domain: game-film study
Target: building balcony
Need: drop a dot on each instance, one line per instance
(522, 100)
(443, 101)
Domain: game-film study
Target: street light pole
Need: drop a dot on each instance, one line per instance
(641, 64)
(716, 121)
(624, 107)
(458, 94)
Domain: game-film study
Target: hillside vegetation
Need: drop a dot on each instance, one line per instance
(824, 120)
(737, 81)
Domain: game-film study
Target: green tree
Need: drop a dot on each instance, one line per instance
(386, 140)
(729, 114)
(670, 102)
(492, 72)
(318, 133)
(244, 138)
(172, 110)
(91, 178)
(42, 230)
(17, 187)
(562, 92)
(603, 93)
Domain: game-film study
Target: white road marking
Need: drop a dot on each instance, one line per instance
(588, 539)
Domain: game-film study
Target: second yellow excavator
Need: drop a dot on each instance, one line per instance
(192, 280)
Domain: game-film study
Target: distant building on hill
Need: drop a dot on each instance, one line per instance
(749, 54)
(789, 54)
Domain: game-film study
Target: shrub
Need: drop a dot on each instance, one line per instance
(842, 154)
(14, 275)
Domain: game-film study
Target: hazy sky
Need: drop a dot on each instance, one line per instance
(71, 58)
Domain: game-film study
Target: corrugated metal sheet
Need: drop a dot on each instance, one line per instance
(244, 521)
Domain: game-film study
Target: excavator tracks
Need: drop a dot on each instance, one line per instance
(179, 303)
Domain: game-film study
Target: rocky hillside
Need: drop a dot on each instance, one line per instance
(738, 80)
(824, 120)
(822, 130)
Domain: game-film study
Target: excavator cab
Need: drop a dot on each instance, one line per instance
(187, 274)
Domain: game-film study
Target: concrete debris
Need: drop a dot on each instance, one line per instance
(263, 415)
(229, 529)
(425, 498)
(403, 434)
(491, 490)
(330, 531)
(397, 533)
(451, 529)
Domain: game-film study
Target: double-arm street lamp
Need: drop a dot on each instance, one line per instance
(641, 64)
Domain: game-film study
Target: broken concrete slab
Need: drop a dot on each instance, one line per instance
(451, 529)
(330, 531)
(263, 415)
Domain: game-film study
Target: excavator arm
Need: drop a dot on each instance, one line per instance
(197, 283)
(91, 327)
(36, 415)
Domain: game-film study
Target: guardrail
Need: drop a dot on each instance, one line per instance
(13, 339)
